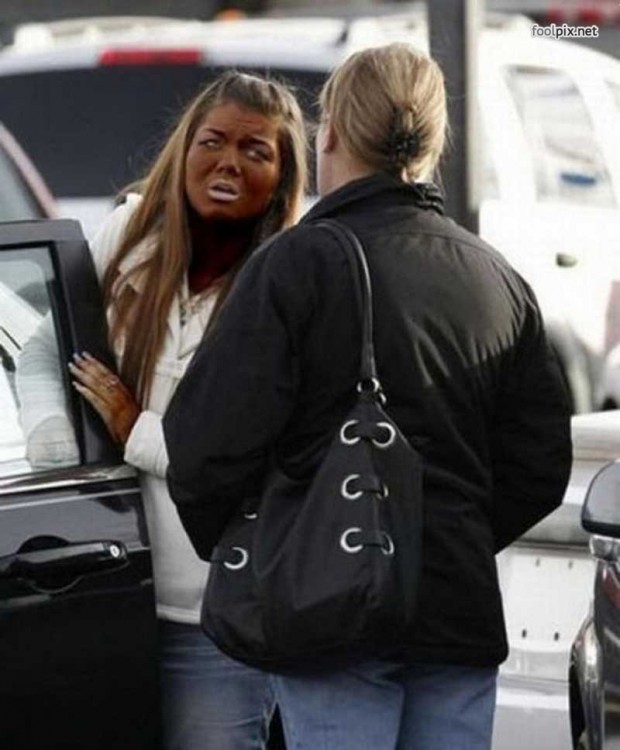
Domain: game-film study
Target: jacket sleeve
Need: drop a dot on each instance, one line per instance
(44, 414)
(531, 445)
(39, 378)
(145, 447)
(237, 395)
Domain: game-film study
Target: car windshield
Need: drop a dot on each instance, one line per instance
(103, 125)
(16, 200)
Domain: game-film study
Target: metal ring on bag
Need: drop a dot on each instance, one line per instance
(351, 550)
(385, 491)
(242, 562)
(391, 437)
(389, 550)
(343, 438)
(375, 386)
(250, 516)
(344, 490)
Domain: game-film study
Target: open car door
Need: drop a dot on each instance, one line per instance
(77, 616)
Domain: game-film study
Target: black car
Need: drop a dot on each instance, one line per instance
(595, 659)
(77, 614)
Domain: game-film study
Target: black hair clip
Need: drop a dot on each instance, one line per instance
(403, 146)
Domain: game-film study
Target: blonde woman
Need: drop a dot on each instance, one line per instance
(462, 356)
(231, 174)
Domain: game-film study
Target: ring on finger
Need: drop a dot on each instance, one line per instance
(111, 384)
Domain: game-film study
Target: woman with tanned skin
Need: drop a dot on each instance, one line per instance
(231, 174)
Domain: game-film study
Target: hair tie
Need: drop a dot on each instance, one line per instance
(403, 146)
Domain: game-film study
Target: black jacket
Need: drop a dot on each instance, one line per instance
(463, 359)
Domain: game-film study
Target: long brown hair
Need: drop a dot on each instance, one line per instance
(140, 319)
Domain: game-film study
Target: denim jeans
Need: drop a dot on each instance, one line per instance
(382, 706)
(210, 701)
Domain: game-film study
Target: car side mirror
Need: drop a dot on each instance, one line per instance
(601, 510)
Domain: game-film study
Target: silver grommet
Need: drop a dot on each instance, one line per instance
(390, 439)
(344, 488)
(389, 548)
(375, 386)
(385, 490)
(343, 438)
(350, 549)
(250, 516)
(243, 561)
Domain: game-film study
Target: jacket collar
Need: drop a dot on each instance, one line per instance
(424, 195)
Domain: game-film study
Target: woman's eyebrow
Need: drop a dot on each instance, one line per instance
(211, 129)
(260, 140)
(251, 138)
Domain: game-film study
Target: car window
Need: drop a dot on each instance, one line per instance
(16, 200)
(568, 165)
(36, 430)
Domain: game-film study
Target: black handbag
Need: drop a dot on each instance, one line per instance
(324, 570)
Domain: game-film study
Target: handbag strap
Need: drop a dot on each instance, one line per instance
(350, 243)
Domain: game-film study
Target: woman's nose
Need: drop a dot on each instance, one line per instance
(229, 161)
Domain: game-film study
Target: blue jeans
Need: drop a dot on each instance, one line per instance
(210, 701)
(383, 706)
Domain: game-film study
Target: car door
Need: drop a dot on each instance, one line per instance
(560, 220)
(77, 616)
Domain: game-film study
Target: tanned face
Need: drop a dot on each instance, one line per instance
(232, 167)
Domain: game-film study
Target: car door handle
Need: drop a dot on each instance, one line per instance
(72, 559)
(565, 260)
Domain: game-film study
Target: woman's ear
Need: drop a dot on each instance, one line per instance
(326, 138)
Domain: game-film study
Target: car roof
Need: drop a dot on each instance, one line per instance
(316, 43)
(312, 42)
(296, 42)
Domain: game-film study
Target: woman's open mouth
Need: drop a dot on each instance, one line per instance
(224, 192)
